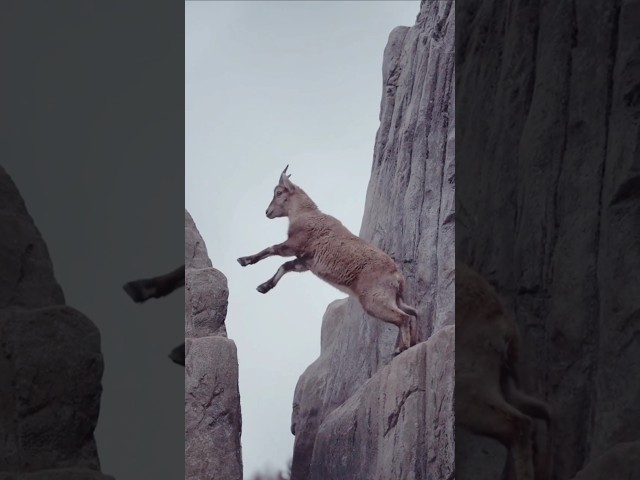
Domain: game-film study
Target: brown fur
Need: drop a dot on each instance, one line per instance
(323, 245)
(488, 400)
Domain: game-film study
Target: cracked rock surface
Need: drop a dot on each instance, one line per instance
(356, 409)
(550, 186)
(212, 416)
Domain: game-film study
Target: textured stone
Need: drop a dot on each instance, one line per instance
(212, 402)
(548, 184)
(195, 250)
(206, 300)
(213, 422)
(49, 416)
(50, 360)
(409, 213)
(621, 461)
(379, 431)
(27, 278)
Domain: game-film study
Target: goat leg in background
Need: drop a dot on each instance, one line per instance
(282, 249)
(156, 287)
(177, 355)
(297, 265)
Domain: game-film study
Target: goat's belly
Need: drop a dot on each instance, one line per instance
(342, 288)
(328, 278)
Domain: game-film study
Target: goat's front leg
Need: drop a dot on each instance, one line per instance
(282, 249)
(296, 265)
(156, 287)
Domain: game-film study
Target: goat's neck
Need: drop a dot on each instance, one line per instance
(303, 206)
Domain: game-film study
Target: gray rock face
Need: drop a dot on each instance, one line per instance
(409, 213)
(376, 433)
(212, 399)
(550, 192)
(50, 360)
(621, 461)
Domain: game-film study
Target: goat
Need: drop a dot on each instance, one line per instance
(156, 287)
(488, 400)
(323, 245)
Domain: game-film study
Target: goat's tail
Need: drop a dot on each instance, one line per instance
(406, 308)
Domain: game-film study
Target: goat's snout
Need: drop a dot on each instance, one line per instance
(269, 211)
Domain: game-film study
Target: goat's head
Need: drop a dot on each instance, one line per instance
(282, 193)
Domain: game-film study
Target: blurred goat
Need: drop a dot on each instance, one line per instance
(487, 398)
(142, 290)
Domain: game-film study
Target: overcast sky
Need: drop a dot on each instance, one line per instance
(269, 84)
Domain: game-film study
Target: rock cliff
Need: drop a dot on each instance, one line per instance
(50, 360)
(548, 177)
(212, 417)
(359, 413)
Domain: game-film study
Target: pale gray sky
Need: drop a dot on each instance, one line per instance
(269, 84)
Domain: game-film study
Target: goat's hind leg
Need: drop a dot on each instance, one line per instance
(490, 415)
(385, 309)
(296, 265)
(413, 320)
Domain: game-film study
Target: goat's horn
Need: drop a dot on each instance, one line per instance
(285, 170)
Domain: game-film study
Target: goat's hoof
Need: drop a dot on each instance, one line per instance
(137, 291)
(264, 288)
(399, 350)
(244, 261)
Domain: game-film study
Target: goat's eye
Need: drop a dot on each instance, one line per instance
(278, 193)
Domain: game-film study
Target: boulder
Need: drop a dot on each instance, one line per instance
(50, 359)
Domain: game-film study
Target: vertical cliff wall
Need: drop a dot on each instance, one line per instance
(50, 360)
(359, 413)
(549, 180)
(212, 416)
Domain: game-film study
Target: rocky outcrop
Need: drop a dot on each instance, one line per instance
(50, 360)
(213, 422)
(548, 180)
(386, 429)
(344, 429)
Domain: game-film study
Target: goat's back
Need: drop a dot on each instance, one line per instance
(341, 258)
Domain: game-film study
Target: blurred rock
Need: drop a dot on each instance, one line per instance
(621, 461)
(50, 360)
